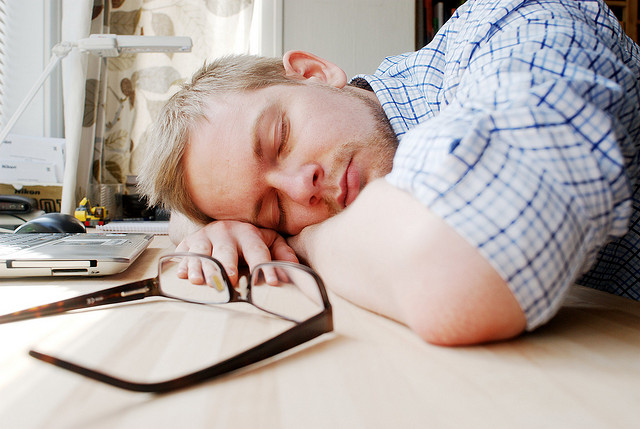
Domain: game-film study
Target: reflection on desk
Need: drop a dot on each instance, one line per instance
(582, 370)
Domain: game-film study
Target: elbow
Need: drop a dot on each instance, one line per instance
(436, 329)
(466, 313)
(450, 295)
(451, 333)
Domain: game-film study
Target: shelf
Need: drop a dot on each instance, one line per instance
(431, 14)
(627, 13)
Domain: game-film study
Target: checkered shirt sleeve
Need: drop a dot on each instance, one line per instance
(519, 125)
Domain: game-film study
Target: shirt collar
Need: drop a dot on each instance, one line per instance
(403, 101)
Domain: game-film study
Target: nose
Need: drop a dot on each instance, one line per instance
(302, 184)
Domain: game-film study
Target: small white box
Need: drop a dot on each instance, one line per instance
(42, 149)
(23, 171)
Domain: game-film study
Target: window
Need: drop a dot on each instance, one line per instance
(28, 31)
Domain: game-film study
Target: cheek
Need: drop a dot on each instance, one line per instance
(324, 127)
(319, 144)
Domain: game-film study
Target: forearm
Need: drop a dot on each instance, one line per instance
(389, 254)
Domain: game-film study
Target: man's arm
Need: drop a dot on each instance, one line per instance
(389, 254)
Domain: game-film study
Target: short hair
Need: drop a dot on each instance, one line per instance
(162, 178)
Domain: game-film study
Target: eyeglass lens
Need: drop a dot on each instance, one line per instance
(295, 295)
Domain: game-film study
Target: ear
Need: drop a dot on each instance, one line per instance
(304, 65)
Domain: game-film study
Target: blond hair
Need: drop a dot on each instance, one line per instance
(162, 178)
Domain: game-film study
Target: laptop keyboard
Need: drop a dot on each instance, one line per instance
(11, 243)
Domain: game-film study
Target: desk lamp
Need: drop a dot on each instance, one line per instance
(103, 45)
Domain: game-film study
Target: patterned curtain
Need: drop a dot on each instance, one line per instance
(124, 94)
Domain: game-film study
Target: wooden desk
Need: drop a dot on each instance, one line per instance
(580, 371)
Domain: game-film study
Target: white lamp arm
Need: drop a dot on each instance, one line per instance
(105, 45)
(59, 51)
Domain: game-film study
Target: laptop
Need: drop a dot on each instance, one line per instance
(69, 254)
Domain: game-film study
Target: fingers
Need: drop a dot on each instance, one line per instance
(194, 267)
(224, 237)
(255, 249)
(229, 241)
(281, 251)
(197, 242)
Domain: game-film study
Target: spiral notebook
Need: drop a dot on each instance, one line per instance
(146, 227)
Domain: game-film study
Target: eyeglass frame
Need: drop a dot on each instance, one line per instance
(301, 332)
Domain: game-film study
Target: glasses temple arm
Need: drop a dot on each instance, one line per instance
(129, 292)
(308, 330)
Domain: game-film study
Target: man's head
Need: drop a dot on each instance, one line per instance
(282, 144)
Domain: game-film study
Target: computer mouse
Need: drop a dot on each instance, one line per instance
(52, 222)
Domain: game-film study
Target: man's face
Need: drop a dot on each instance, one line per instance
(287, 156)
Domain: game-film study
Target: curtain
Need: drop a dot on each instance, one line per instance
(124, 94)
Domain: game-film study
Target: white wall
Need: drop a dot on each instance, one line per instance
(355, 34)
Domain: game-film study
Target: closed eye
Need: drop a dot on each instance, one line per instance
(284, 137)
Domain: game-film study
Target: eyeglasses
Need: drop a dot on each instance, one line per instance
(298, 298)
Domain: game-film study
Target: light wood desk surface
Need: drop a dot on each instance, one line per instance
(582, 370)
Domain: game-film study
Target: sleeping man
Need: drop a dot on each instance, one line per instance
(460, 189)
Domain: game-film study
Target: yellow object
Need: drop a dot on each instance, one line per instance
(86, 213)
(218, 283)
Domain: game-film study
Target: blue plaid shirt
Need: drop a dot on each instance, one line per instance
(519, 125)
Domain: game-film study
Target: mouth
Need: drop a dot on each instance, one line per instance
(349, 185)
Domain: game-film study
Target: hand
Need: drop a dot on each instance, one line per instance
(228, 241)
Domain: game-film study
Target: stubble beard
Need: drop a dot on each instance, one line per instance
(381, 144)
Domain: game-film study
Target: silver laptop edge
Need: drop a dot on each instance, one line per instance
(87, 254)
